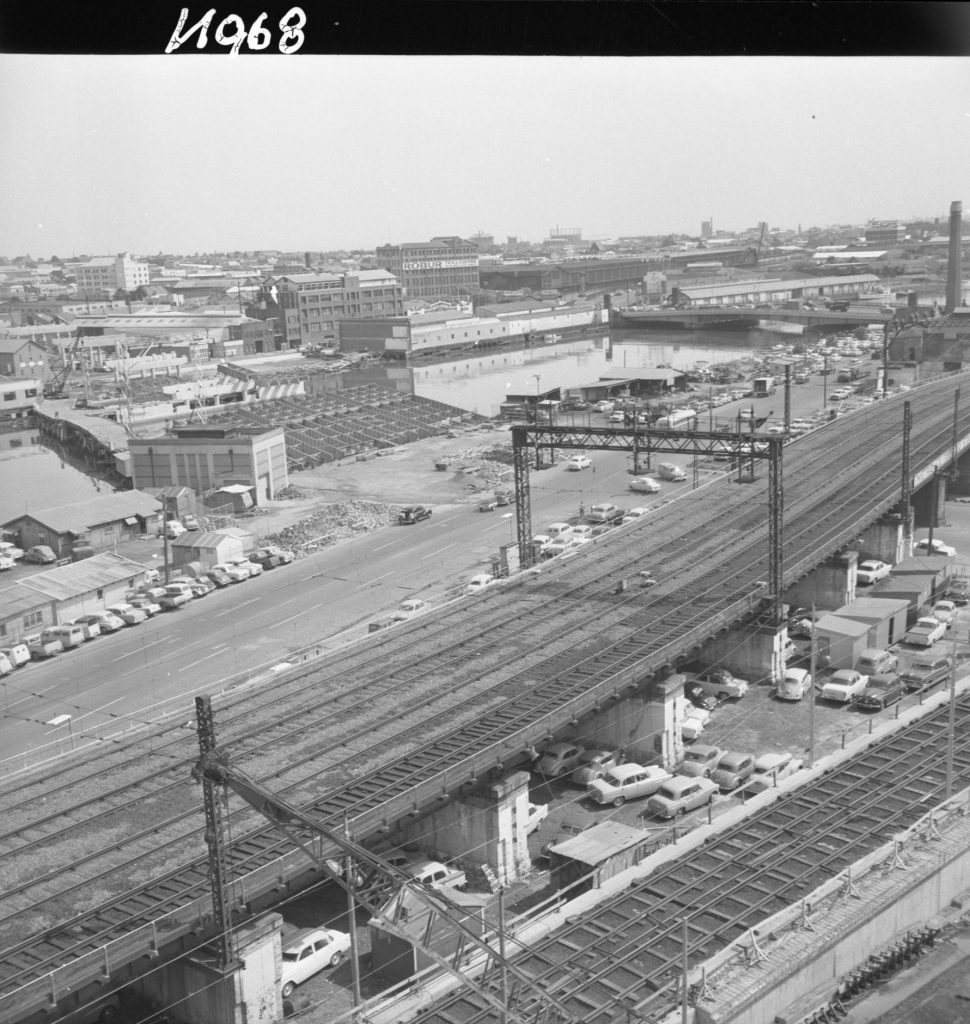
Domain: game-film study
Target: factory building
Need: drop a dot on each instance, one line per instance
(447, 265)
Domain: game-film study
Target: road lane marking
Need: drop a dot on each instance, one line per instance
(234, 607)
(434, 554)
(135, 653)
(214, 654)
(376, 579)
(387, 545)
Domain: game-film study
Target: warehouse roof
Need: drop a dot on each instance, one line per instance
(82, 515)
(67, 581)
(16, 600)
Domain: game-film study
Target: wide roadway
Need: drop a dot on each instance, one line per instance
(129, 679)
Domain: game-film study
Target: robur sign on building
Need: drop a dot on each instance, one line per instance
(447, 265)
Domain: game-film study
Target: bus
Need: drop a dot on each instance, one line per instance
(677, 419)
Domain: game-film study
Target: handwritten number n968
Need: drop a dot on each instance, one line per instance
(231, 32)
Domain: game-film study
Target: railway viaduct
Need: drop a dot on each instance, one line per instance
(104, 863)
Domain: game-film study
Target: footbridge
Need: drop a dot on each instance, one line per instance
(104, 856)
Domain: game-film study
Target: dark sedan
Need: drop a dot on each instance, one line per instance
(882, 691)
(696, 695)
(268, 561)
(219, 578)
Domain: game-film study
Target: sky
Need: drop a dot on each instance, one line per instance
(151, 154)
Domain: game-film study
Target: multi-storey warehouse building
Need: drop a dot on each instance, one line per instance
(104, 275)
(307, 307)
(432, 270)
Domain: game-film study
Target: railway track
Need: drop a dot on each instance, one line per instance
(327, 736)
(622, 961)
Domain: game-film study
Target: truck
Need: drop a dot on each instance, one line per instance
(670, 471)
(762, 387)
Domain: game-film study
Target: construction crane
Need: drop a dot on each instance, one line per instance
(56, 385)
(214, 769)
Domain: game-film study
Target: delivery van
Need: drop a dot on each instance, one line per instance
(875, 662)
(669, 471)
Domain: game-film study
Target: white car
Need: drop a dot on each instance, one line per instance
(770, 769)
(307, 952)
(477, 584)
(644, 485)
(234, 572)
(253, 568)
(693, 724)
(871, 571)
(148, 606)
(934, 547)
(128, 613)
(925, 632)
(579, 462)
(844, 686)
(795, 683)
(537, 814)
(945, 612)
(635, 513)
(6, 562)
(409, 608)
(627, 782)
(602, 512)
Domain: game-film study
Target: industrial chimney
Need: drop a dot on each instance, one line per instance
(954, 272)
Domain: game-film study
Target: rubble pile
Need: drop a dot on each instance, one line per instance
(333, 523)
(291, 492)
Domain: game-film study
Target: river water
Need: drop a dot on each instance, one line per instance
(33, 476)
(481, 383)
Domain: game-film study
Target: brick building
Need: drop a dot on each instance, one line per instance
(445, 266)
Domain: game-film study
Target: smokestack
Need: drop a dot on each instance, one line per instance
(306, 260)
(954, 273)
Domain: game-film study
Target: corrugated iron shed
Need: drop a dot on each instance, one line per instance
(67, 581)
(105, 508)
(599, 843)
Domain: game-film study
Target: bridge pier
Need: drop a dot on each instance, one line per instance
(884, 541)
(830, 585)
(750, 652)
(196, 990)
(486, 826)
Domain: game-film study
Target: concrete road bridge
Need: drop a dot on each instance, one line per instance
(104, 858)
(746, 319)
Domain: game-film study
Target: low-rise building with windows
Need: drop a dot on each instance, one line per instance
(18, 400)
(104, 275)
(446, 265)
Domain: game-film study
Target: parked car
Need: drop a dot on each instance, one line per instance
(694, 723)
(69, 634)
(175, 589)
(201, 586)
(128, 613)
(934, 547)
(17, 654)
(6, 665)
(644, 485)
(433, 872)
(10, 550)
(174, 529)
(267, 561)
(503, 498)
(699, 761)
(945, 612)
(844, 686)
(593, 764)
(574, 821)
(40, 648)
(234, 572)
(479, 583)
(632, 514)
(925, 632)
(40, 554)
(411, 514)
(794, 684)
(602, 512)
(242, 562)
(487, 505)
(147, 605)
(168, 599)
(307, 952)
(6, 562)
(872, 571)
(191, 523)
(91, 629)
(733, 770)
(536, 815)
(926, 671)
(559, 758)
(958, 590)
(698, 696)
(770, 769)
(681, 794)
(108, 621)
(875, 661)
(881, 691)
(720, 683)
(220, 578)
(627, 782)
(282, 553)
(579, 462)
(409, 608)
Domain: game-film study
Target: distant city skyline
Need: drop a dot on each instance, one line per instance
(105, 154)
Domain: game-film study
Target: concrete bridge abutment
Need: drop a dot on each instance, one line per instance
(829, 586)
(751, 652)
(884, 541)
(195, 990)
